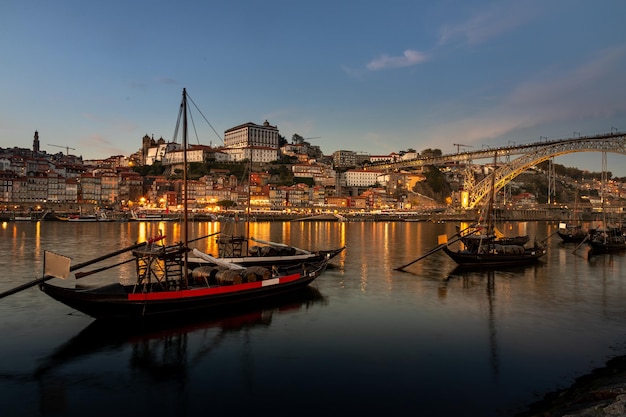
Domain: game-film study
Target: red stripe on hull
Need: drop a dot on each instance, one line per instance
(201, 292)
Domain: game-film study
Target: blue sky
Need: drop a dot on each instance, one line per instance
(374, 77)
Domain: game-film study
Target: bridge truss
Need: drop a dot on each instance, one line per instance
(615, 143)
(531, 155)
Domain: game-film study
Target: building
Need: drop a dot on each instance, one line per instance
(344, 159)
(258, 143)
(362, 178)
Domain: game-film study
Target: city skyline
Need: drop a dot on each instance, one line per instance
(368, 77)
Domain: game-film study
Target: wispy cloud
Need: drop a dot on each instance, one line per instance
(407, 59)
(486, 25)
(592, 91)
(99, 145)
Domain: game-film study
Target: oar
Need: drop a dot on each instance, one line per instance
(549, 236)
(79, 275)
(79, 266)
(279, 245)
(457, 236)
(581, 243)
(203, 237)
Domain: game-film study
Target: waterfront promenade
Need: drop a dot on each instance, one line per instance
(541, 213)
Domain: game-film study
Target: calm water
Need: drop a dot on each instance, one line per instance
(365, 339)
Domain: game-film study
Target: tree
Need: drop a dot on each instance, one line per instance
(226, 203)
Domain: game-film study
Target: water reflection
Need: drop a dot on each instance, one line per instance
(165, 354)
(498, 337)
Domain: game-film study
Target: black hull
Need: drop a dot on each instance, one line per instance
(607, 247)
(490, 260)
(571, 237)
(118, 302)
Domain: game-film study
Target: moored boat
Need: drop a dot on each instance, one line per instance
(165, 283)
(490, 250)
(166, 294)
(610, 239)
(496, 255)
(571, 233)
(235, 250)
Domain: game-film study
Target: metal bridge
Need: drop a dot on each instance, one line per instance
(530, 155)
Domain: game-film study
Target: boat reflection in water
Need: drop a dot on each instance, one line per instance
(166, 353)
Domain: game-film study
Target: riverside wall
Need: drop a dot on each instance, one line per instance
(544, 213)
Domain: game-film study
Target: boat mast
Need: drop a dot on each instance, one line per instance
(492, 196)
(184, 194)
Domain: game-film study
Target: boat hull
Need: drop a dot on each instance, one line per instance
(119, 302)
(572, 237)
(490, 260)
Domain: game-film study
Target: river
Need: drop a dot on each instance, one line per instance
(366, 339)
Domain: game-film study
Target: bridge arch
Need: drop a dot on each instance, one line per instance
(503, 175)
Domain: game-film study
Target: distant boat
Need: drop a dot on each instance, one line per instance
(22, 218)
(155, 217)
(606, 239)
(101, 217)
(488, 250)
(571, 233)
(610, 239)
(234, 250)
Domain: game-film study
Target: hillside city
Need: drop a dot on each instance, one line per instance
(258, 165)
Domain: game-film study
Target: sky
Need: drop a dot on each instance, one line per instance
(368, 76)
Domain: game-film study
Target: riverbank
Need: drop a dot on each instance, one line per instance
(434, 217)
(602, 393)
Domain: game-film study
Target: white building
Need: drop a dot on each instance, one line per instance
(251, 141)
(361, 178)
(253, 153)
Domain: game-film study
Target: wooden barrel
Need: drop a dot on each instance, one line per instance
(259, 272)
(202, 273)
(228, 277)
(248, 276)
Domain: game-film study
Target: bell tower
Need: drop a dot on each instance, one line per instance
(36, 143)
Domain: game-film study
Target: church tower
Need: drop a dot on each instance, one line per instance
(36, 143)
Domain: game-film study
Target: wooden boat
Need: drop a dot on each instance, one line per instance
(610, 239)
(490, 250)
(473, 241)
(496, 255)
(234, 249)
(607, 238)
(572, 233)
(164, 286)
(162, 292)
(153, 217)
(83, 218)
(23, 218)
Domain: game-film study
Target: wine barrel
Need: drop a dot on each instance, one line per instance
(202, 273)
(228, 277)
(259, 272)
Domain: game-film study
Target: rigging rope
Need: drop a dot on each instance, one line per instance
(205, 119)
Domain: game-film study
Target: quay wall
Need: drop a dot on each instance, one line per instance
(546, 213)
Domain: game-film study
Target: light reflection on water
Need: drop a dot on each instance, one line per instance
(410, 340)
